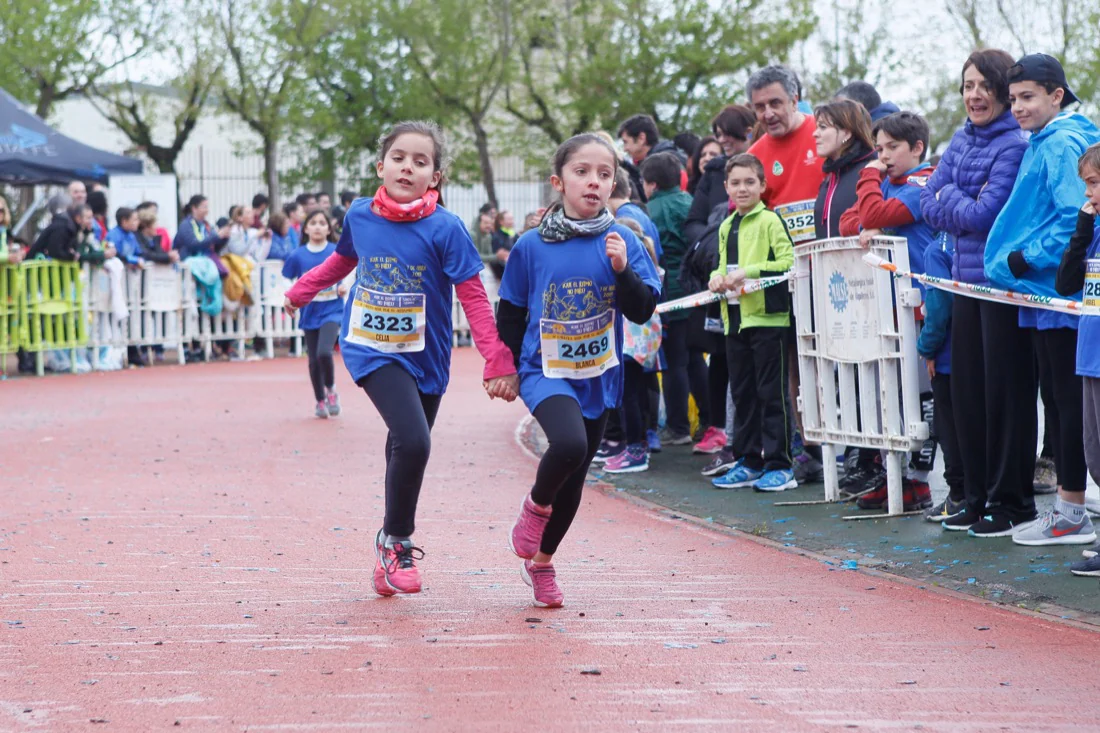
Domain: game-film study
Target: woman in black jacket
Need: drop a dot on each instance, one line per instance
(149, 242)
(844, 141)
(732, 128)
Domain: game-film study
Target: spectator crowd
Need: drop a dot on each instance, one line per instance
(1009, 203)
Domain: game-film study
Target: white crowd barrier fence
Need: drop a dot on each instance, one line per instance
(856, 331)
(161, 309)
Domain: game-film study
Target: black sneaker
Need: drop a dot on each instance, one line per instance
(721, 463)
(870, 480)
(945, 510)
(962, 521)
(998, 525)
(1089, 567)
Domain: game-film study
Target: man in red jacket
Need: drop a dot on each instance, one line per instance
(787, 150)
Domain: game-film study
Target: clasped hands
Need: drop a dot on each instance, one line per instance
(731, 282)
(506, 387)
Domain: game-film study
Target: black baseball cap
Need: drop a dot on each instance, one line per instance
(1040, 68)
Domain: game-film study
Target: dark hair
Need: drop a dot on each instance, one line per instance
(147, 205)
(735, 120)
(694, 174)
(76, 210)
(844, 114)
(191, 203)
(319, 194)
(907, 126)
(259, 200)
(346, 197)
(303, 198)
(1089, 159)
(993, 64)
(485, 209)
(122, 214)
(331, 229)
(278, 223)
(567, 149)
(862, 92)
(662, 170)
(291, 207)
(97, 201)
(746, 160)
(636, 125)
(622, 184)
(687, 141)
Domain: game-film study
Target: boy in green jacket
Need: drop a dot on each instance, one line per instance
(753, 243)
(685, 370)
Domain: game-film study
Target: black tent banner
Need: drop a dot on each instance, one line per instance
(31, 152)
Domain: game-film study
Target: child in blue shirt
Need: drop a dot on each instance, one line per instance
(320, 320)
(565, 291)
(934, 345)
(1024, 248)
(1080, 268)
(124, 236)
(407, 253)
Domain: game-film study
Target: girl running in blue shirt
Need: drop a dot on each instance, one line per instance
(320, 320)
(407, 252)
(567, 286)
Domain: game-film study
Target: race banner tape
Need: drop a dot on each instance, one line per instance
(706, 297)
(984, 292)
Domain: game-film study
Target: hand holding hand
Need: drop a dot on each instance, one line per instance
(289, 308)
(867, 235)
(616, 251)
(506, 387)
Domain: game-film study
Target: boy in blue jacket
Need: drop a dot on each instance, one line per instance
(1024, 249)
(124, 236)
(1080, 267)
(934, 345)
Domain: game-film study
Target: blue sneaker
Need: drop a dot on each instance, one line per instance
(780, 480)
(653, 440)
(737, 477)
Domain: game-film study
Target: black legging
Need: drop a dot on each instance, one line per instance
(409, 415)
(573, 440)
(319, 345)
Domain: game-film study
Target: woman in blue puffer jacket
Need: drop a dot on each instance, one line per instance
(993, 368)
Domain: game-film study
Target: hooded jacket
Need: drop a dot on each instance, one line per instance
(1032, 231)
(668, 209)
(970, 187)
(884, 110)
(710, 191)
(837, 193)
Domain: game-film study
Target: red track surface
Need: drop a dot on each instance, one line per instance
(189, 545)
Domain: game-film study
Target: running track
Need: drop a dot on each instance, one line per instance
(190, 547)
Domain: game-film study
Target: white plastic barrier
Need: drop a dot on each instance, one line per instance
(156, 306)
(105, 329)
(271, 322)
(857, 355)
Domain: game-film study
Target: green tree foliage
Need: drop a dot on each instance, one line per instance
(54, 50)
(584, 64)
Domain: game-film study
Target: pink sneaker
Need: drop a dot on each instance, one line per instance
(381, 587)
(527, 532)
(398, 565)
(714, 440)
(541, 577)
(332, 404)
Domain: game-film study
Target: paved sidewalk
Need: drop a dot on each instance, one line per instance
(188, 545)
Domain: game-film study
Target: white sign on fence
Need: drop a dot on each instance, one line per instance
(130, 191)
(851, 311)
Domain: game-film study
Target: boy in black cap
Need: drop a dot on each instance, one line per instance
(1023, 251)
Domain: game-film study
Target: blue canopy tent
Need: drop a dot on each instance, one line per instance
(32, 153)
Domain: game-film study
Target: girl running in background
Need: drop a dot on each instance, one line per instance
(320, 319)
(407, 252)
(567, 286)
